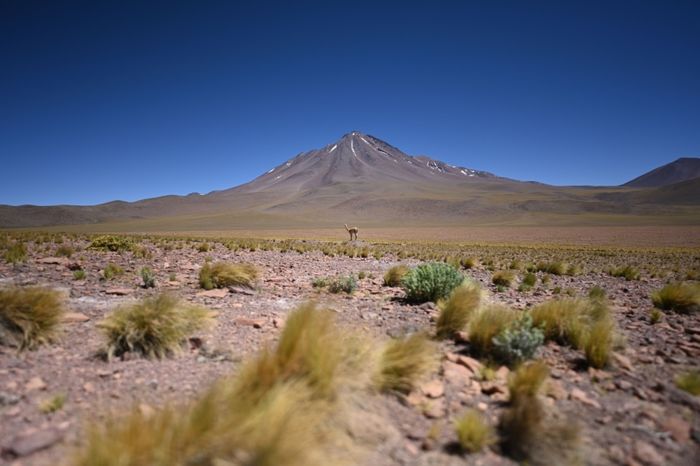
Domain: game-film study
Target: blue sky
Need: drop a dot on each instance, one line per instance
(132, 99)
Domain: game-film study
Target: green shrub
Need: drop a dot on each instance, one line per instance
(431, 282)
(29, 317)
(503, 278)
(689, 382)
(223, 275)
(112, 243)
(518, 342)
(343, 285)
(16, 254)
(681, 297)
(394, 275)
(486, 324)
(320, 282)
(148, 277)
(473, 432)
(456, 310)
(79, 274)
(404, 361)
(154, 328)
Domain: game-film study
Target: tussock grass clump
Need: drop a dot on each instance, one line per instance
(112, 243)
(628, 272)
(597, 292)
(395, 274)
(16, 253)
(555, 268)
(598, 343)
(65, 251)
(148, 277)
(683, 297)
(79, 274)
(526, 382)
(486, 324)
(689, 382)
(29, 317)
(469, 262)
(112, 270)
(503, 278)
(154, 328)
(474, 433)
(224, 274)
(456, 310)
(404, 361)
(431, 282)
(529, 280)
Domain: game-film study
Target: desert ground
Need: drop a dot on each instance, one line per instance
(630, 400)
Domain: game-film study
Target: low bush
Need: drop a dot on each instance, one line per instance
(431, 282)
(343, 285)
(79, 274)
(474, 433)
(112, 243)
(154, 328)
(456, 310)
(29, 317)
(148, 277)
(224, 274)
(518, 342)
(683, 297)
(395, 274)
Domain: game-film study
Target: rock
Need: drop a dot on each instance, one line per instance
(456, 374)
(435, 409)
(623, 384)
(35, 383)
(556, 390)
(492, 388)
(244, 321)
(215, 293)
(433, 389)
(622, 361)
(74, 317)
(119, 291)
(470, 363)
(677, 427)
(647, 454)
(28, 444)
(53, 260)
(579, 395)
(7, 399)
(89, 387)
(241, 290)
(502, 373)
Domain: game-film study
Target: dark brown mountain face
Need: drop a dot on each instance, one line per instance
(358, 158)
(362, 179)
(683, 169)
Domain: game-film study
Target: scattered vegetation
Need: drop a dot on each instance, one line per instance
(431, 282)
(53, 404)
(474, 433)
(154, 328)
(456, 310)
(112, 243)
(628, 272)
(343, 285)
(16, 253)
(29, 317)
(689, 382)
(395, 274)
(224, 274)
(683, 297)
(503, 278)
(404, 361)
(111, 271)
(655, 316)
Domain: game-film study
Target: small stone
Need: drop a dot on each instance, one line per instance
(623, 384)
(119, 291)
(7, 399)
(435, 409)
(146, 410)
(244, 321)
(413, 399)
(470, 363)
(89, 387)
(492, 388)
(28, 444)
(677, 427)
(456, 374)
(502, 373)
(241, 290)
(647, 454)
(215, 293)
(622, 361)
(556, 390)
(579, 395)
(433, 389)
(35, 383)
(74, 317)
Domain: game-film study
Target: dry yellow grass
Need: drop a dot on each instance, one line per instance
(29, 317)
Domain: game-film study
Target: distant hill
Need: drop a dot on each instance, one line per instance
(683, 169)
(362, 179)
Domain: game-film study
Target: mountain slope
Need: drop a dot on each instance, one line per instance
(683, 169)
(363, 179)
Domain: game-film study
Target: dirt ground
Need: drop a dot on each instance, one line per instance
(630, 413)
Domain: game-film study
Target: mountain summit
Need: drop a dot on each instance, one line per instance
(683, 169)
(358, 158)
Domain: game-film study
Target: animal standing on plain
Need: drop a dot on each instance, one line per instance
(353, 232)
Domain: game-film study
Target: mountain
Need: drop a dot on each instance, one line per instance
(362, 179)
(683, 169)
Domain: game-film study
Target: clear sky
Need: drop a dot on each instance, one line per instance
(103, 100)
